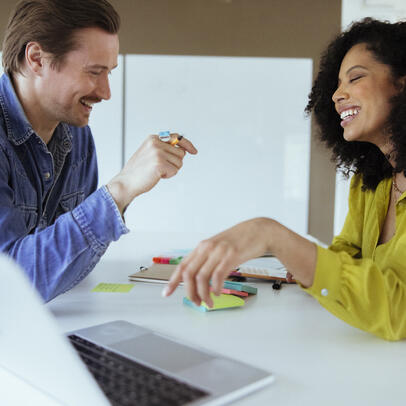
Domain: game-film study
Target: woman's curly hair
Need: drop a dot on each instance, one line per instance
(387, 42)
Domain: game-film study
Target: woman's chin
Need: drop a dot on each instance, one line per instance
(349, 137)
(353, 136)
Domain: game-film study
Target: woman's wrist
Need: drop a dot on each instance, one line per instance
(297, 254)
(267, 229)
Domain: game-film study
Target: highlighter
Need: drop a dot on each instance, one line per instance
(166, 136)
(175, 140)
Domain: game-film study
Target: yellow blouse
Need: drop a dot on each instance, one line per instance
(356, 279)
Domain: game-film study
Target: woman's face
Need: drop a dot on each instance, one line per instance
(362, 98)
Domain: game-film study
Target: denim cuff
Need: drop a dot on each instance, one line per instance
(100, 220)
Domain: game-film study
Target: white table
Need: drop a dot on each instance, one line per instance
(316, 358)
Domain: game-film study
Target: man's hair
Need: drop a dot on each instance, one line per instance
(387, 42)
(53, 24)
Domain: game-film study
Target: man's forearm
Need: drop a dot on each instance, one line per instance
(59, 256)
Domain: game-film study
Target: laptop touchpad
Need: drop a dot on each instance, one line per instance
(161, 352)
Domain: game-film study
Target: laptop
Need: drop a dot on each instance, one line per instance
(116, 363)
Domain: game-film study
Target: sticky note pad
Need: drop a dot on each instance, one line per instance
(234, 292)
(219, 303)
(113, 287)
(240, 286)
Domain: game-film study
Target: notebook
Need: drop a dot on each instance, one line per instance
(33, 350)
(268, 267)
(158, 273)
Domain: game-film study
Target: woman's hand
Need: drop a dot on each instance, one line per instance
(211, 262)
(208, 265)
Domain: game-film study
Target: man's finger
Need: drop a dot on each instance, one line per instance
(187, 146)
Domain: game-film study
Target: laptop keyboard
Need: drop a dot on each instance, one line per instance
(126, 382)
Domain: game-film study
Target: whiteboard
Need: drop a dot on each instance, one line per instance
(245, 116)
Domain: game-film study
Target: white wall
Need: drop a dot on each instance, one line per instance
(353, 10)
(106, 122)
(391, 10)
(245, 116)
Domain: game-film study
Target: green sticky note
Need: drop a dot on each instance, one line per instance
(221, 302)
(113, 287)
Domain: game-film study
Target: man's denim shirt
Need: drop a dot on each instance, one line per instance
(55, 227)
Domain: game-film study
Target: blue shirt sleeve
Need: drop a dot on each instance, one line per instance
(59, 256)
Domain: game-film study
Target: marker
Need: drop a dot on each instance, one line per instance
(175, 261)
(166, 136)
(167, 260)
(161, 260)
(176, 140)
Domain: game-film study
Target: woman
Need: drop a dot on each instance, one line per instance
(359, 102)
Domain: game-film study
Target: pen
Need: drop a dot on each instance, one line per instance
(277, 285)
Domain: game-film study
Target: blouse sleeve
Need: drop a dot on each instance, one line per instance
(356, 289)
(350, 238)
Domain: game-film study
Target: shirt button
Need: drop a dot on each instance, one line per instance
(47, 175)
(324, 292)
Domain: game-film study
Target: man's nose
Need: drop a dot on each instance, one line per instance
(103, 89)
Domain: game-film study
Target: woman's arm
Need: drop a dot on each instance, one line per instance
(216, 257)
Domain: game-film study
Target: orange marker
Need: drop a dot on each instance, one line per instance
(166, 136)
(175, 140)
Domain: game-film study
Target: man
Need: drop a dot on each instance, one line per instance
(57, 56)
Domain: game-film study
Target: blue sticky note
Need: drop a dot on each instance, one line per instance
(240, 286)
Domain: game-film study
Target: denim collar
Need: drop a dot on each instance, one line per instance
(19, 129)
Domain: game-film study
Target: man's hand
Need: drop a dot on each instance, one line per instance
(153, 161)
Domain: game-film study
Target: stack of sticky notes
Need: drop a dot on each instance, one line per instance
(240, 287)
(231, 296)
